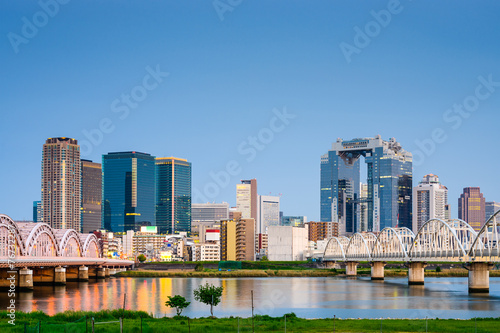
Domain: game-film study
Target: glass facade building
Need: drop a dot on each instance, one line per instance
(293, 221)
(389, 185)
(128, 191)
(173, 195)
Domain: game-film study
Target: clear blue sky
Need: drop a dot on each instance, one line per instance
(227, 76)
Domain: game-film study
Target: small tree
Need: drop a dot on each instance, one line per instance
(178, 302)
(264, 258)
(141, 257)
(208, 294)
(199, 267)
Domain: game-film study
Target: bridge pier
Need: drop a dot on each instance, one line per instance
(59, 275)
(83, 273)
(112, 271)
(479, 277)
(329, 264)
(107, 273)
(416, 273)
(377, 270)
(25, 279)
(101, 273)
(351, 268)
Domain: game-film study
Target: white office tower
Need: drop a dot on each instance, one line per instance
(430, 199)
(268, 208)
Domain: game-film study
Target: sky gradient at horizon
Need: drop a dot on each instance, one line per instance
(227, 80)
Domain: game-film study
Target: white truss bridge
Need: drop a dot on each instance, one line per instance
(437, 240)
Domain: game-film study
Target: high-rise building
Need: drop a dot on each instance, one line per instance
(128, 191)
(389, 184)
(91, 196)
(37, 211)
(209, 212)
(61, 181)
(471, 207)
(268, 208)
(430, 199)
(491, 208)
(293, 221)
(322, 230)
(246, 199)
(173, 195)
(237, 238)
(363, 207)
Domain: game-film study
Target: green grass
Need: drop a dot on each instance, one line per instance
(78, 321)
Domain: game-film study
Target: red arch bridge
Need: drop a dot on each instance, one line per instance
(35, 253)
(452, 241)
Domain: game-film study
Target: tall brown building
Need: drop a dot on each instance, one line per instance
(237, 238)
(61, 183)
(471, 207)
(322, 230)
(91, 196)
(246, 198)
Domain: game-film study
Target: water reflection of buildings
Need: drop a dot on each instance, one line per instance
(321, 297)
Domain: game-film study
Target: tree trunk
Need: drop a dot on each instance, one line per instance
(212, 310)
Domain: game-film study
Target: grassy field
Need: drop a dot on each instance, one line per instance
(138, 321)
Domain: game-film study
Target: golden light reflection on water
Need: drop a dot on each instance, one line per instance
(272, 296)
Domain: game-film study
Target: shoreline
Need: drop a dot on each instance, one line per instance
(286, 273)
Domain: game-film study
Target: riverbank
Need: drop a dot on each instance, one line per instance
(454, 272)
(140, 321)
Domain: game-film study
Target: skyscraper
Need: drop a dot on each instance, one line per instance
(246, 199)
(471, 207)
(61, 180)
(268, 213)
(173, 195)
(491, 208)
(37, 211)
(430, 199)
(91, 196)
(389, 178)
(128, 192)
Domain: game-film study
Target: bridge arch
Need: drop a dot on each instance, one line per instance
(91, 248)
(40, 240)
(9, 229)
(335, 248)
(486, 245)
(439, 240)
(360, 246)
(393, 244)
(69, 242)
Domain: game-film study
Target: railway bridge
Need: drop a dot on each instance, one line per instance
(452, 241)
(35, 253)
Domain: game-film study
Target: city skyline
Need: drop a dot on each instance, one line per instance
(286, 83)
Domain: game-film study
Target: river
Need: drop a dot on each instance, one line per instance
(315, 297)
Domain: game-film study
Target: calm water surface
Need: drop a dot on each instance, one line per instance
(307, 297)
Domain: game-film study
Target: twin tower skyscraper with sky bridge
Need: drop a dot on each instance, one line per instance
(387, 201)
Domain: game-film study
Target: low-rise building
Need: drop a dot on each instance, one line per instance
(287, 243)
(322, 230)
